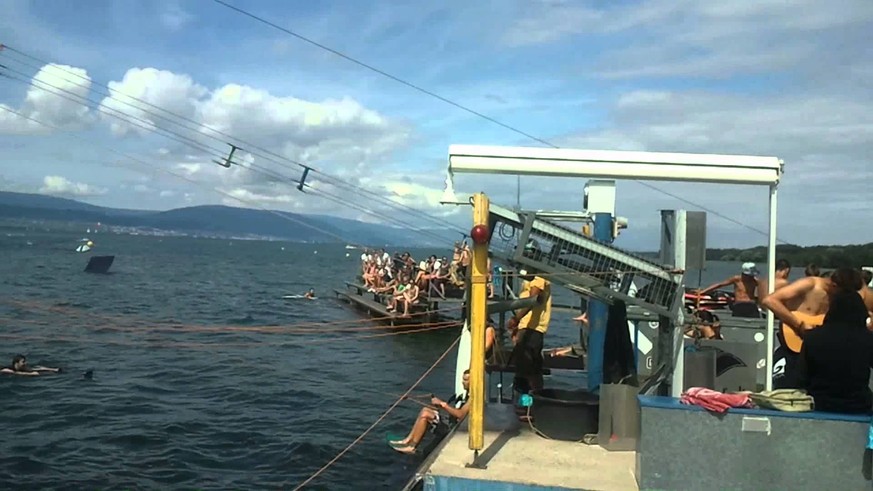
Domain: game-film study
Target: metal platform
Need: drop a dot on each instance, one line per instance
(517, 459)
(582, 264)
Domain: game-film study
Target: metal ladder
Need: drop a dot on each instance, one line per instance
(582, 264)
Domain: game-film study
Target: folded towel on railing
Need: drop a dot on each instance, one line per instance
(712, 400)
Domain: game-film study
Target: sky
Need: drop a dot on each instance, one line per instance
(140, 98)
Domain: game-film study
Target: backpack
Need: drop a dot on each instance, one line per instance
(789, 400)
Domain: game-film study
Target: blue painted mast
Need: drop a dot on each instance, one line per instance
(597, 312)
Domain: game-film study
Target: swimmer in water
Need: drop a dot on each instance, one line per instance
(310, 294)
(19, 367)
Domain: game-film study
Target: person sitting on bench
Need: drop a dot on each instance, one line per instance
(454, 410)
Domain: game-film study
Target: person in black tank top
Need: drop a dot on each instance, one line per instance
(445, 413)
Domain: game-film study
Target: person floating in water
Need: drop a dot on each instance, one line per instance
(19, 367)
(310, 294)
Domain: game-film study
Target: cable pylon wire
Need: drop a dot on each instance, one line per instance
(248, 146)
(470, 110)
(283, 215)
(145, 125)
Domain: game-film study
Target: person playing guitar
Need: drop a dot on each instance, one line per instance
(801, 306)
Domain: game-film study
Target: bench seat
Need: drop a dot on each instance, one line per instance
(686, 447)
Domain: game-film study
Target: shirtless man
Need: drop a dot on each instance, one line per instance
(809, 295)
(19, 367)
(466, 258)
(783, 269)
(745, 291)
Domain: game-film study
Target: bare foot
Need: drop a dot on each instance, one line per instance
(409, 449)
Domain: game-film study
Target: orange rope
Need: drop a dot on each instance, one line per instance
(64, 309)
(207, 329)
(382, 417)
(331, 326)
(213, 345)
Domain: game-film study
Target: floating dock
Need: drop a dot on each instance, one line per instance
(517, 459)
(428, 310)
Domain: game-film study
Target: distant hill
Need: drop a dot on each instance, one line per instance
(826, 256)
(214, 220)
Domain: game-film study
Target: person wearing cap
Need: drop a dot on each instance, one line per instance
(745, 291)
(528, 327)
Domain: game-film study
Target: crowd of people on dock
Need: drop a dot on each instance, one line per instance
(405, 282)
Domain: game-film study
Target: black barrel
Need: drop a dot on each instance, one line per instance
(565, 415)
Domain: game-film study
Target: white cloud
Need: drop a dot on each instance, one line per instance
(174, 17)
(339, 132)
(61, 186)
(177, 94)
(695, 24)
(237, 195)
(418, 196)
(52, 98)
(547, 21)
(824, 140)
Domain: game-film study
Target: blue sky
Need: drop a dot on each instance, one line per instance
(764, 78)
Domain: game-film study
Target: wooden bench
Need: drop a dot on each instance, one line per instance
(687, 447)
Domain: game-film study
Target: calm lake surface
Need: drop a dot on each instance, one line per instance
(192, 387)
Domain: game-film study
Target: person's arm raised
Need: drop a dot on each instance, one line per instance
(731, 280)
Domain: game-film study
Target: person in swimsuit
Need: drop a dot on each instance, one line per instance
(745, 289)
(810, 296)
(783, 270)
(19, 367)
(310, 294)
(490, 340)
(455, 409)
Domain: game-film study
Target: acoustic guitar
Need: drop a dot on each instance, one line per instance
(792, 340)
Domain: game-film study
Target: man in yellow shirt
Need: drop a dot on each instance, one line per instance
(528, 327)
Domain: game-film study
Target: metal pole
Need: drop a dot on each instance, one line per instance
(677, 381)
(597, 313)
(478, 316)
(771, 280)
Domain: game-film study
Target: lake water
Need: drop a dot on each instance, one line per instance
(192, 388)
